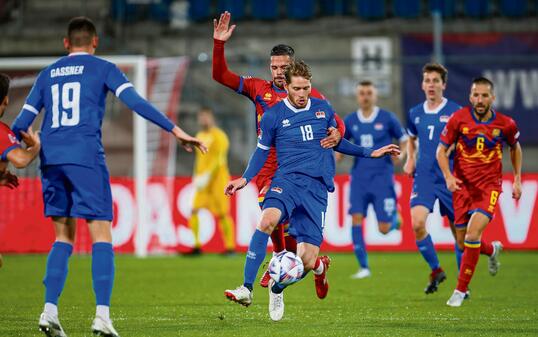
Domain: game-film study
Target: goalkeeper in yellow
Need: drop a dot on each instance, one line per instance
(210, 178)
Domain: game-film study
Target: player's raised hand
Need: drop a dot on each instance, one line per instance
(31, 138)
(221, 28)
(9, 180)
(391, 149)
(516, 189)
(187, 141)
(452, 183)
(332, 139)
(235, 185)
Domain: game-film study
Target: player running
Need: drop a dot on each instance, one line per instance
(425, 123)
(298, 191)
(372, 180)
(75, 179)
(265, 94)
(478, 133)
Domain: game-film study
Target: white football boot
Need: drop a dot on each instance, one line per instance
(50, 326)
(363, 273)
(239, 295)
(102, 327)
(456, 299)
(276, 303)
(493, 263)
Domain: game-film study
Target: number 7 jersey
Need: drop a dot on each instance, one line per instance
(72, 92)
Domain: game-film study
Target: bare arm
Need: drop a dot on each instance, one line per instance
(19, 157)
(452, 183)
(410, 163)
(516, 156)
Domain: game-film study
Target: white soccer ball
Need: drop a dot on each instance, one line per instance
(286, 268)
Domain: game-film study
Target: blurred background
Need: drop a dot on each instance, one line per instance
(345, 41)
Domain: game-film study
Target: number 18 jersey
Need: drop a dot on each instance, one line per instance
(72, 92)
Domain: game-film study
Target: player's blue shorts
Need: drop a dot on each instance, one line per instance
(303, 201)
(377, 190)
(77, 191)
(426, 191)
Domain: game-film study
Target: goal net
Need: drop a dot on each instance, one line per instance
(134, 147)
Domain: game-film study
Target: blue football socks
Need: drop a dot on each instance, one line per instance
(255, 256)
(425, 246)
(358, 246)
(102, 272)
(56, 271)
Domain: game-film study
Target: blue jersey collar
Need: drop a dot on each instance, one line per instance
(294, 109)
(436, 110)
(371, 118)
(493, 114)
(78, 53)
(277, 89)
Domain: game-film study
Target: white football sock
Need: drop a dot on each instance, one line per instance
(51, 309)
(103, 311)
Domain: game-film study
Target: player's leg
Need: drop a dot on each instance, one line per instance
(271, 216)
(471, 254)
(220, 206)
(384, 202)
(58, 204)
(194, 224)
(358, 201)
(56, 273)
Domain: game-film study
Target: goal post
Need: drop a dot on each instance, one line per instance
(136, 66)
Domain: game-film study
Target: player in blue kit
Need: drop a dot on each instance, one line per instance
(425, 123)
(298, 192)
(72, 92)
(372, 180)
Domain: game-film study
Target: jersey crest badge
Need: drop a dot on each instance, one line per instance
(276, 189)
(444, 118)
(13, 139)
(496, 132)
(465, 130)
(320, 114)
(286, 123)
(378, 126)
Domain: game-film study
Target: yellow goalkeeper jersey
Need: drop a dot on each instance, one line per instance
(214, 162)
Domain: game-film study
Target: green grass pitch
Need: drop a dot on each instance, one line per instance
(182, 296)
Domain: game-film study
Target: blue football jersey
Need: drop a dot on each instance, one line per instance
(72, 92)
(296, 135)
(376, 131)
(427, 126)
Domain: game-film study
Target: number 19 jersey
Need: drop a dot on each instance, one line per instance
(72, 92)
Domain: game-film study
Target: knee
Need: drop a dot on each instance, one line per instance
(267, 225)
(384, 227)
(356, 219)
(472, 235)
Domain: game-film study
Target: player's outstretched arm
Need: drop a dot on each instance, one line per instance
(9, 180)
(387, 150)
(187, 141)
(452, 183)
(220, 71)
(255, 164)
(410, 163)
(516, 157)
(19, 157)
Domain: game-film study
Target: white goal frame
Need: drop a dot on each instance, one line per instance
(140, 149)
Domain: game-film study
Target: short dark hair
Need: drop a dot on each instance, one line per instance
(366, 83)
(438, 68)
(81, 31)
(483, 80)
(4, 86)
(298, 68)
(282, 50)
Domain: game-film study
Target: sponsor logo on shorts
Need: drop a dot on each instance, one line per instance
(320, 114)
(276, 189)
(378, 126)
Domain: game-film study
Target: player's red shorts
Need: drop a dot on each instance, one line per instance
(469, 200)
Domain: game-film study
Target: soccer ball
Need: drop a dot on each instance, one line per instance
(286, 268)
